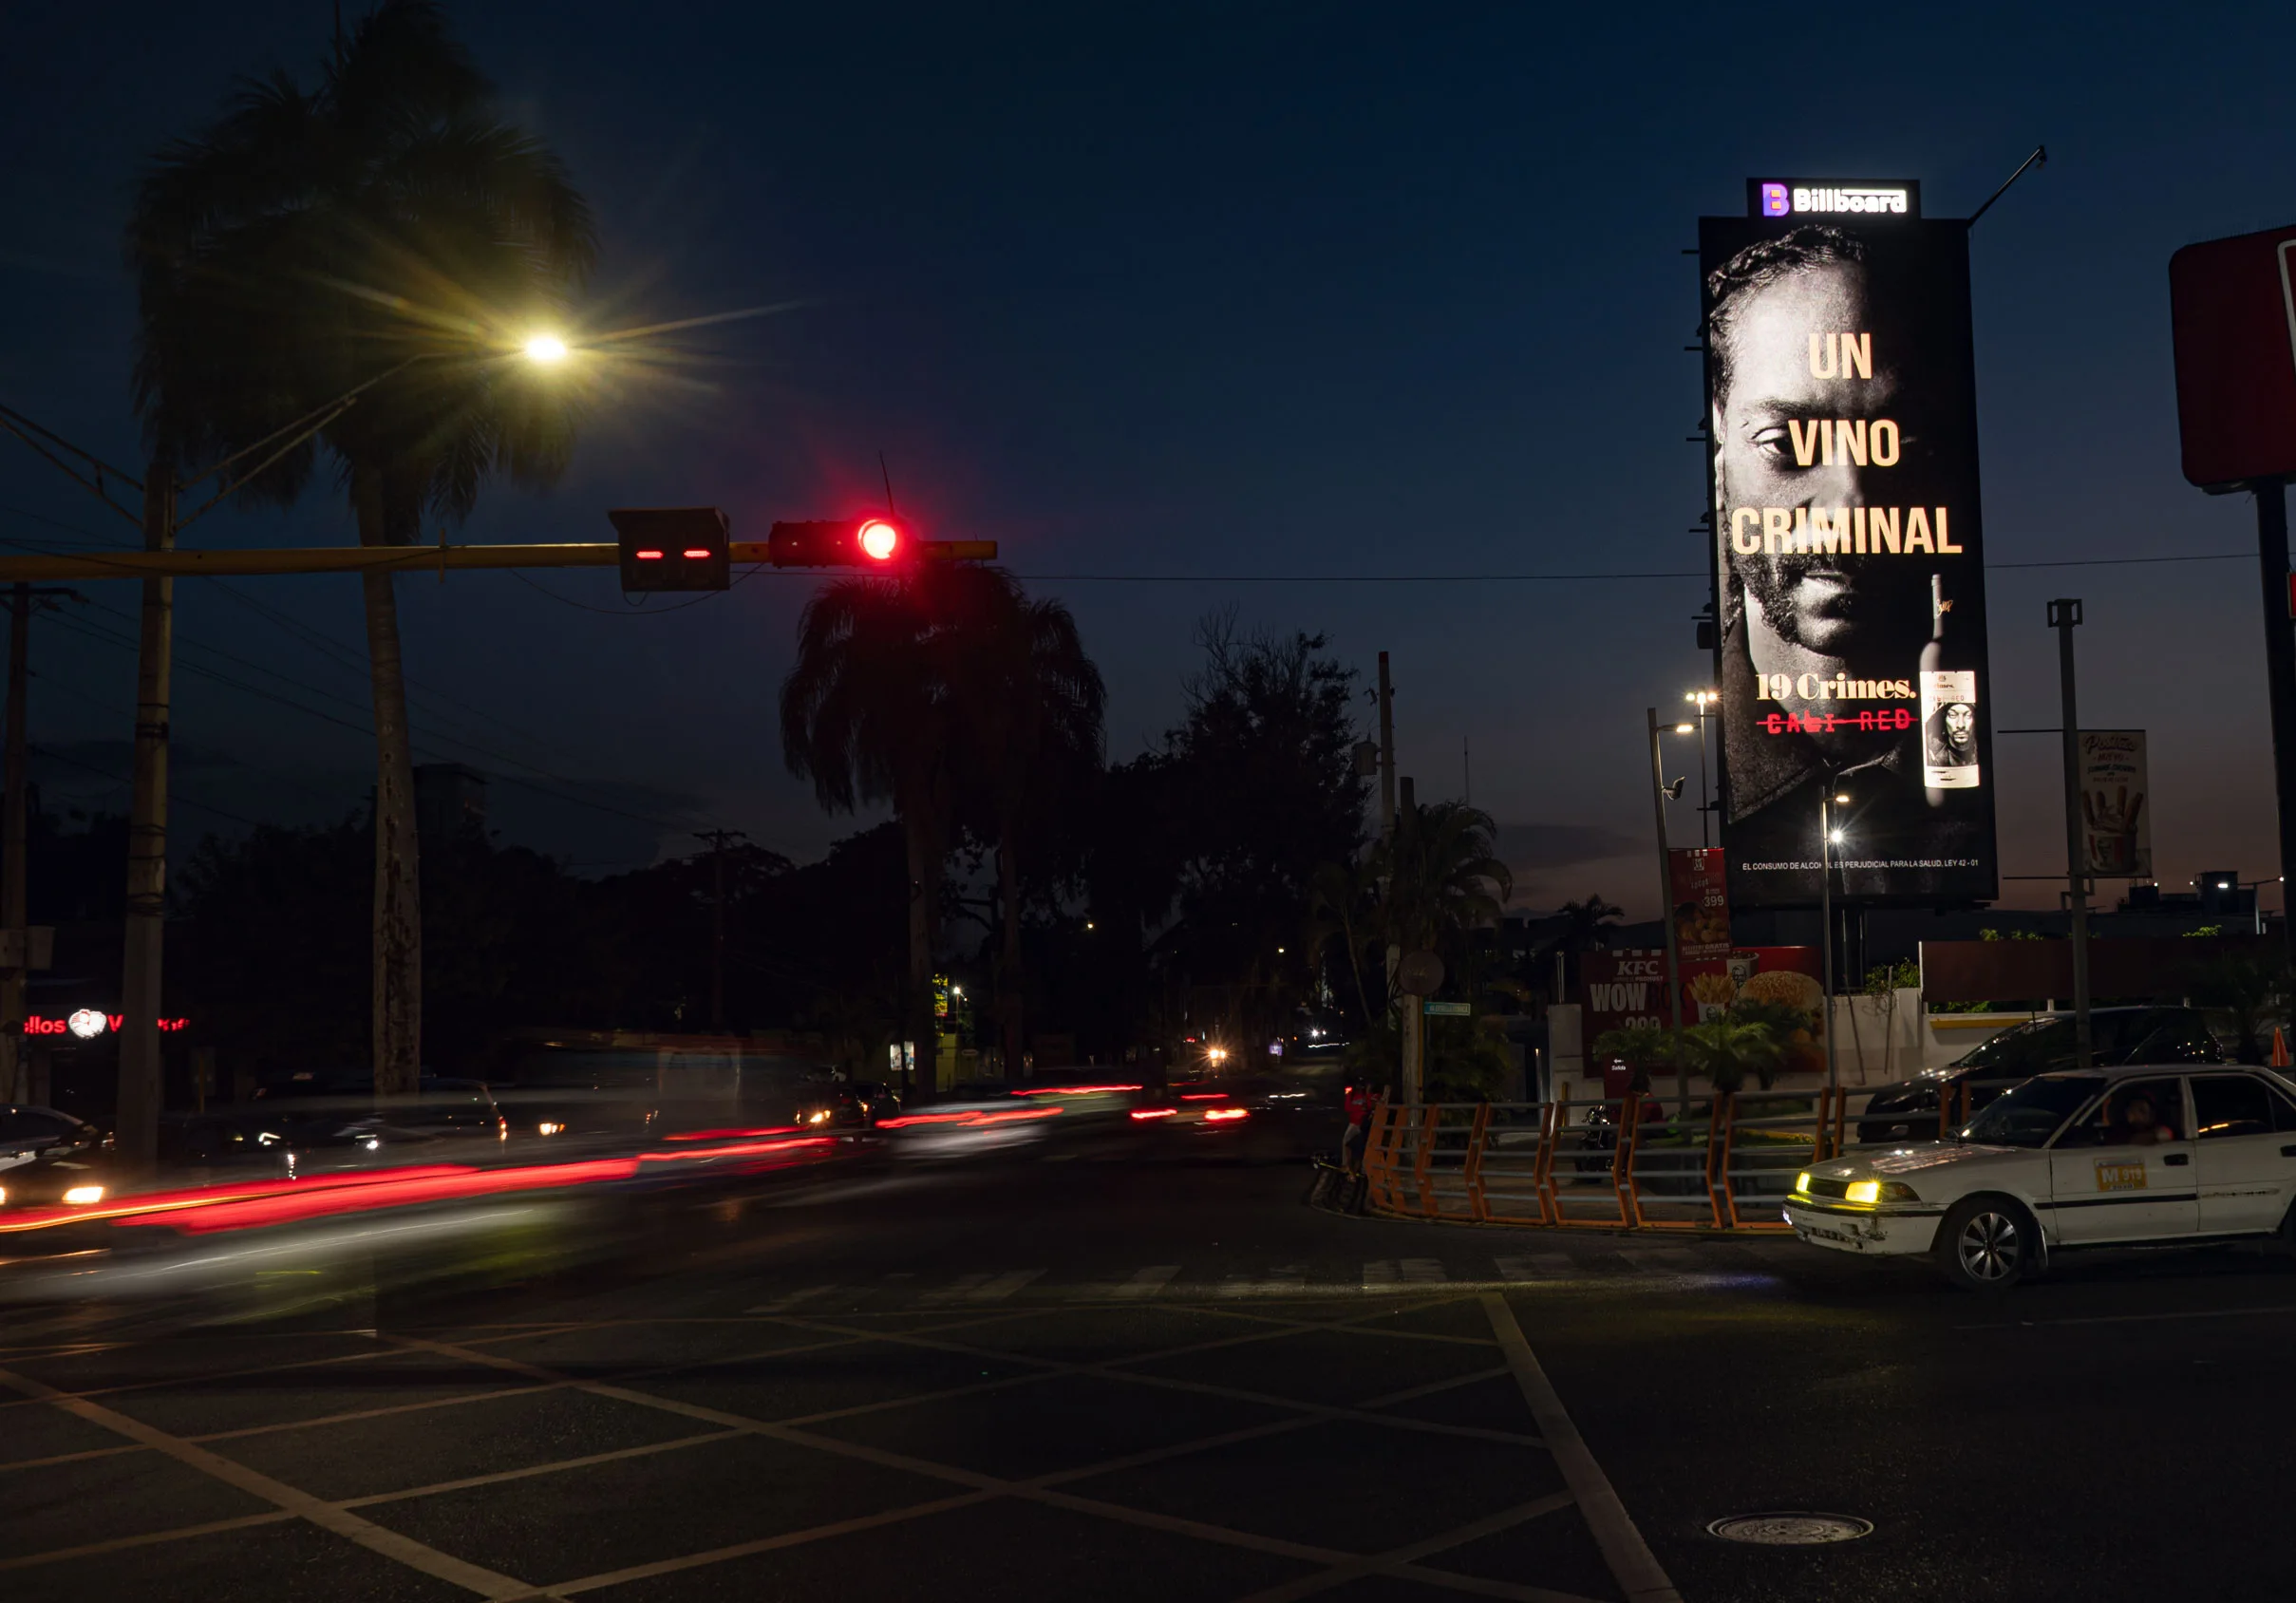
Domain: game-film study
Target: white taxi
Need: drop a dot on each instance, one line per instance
(2109, 1157)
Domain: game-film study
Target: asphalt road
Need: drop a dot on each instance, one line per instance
(1053, 1375)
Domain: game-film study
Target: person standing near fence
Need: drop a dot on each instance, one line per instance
(1357, 1100)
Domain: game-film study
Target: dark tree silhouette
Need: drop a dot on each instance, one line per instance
(309, 241)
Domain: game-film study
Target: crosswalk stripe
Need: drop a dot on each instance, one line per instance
(1002, 1286)
(1147, 1282)
(965, 1286)
(782, 1305)
(1422, 1271)
(1379, 1272)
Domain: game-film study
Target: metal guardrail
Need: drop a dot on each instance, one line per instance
(1634, 1162)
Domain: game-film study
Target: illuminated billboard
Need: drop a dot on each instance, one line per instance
(1848, 546)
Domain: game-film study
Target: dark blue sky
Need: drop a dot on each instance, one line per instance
(1243, 290)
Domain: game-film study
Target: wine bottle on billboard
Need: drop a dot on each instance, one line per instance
(1949, 701)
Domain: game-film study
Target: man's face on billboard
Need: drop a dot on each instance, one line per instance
(1831, 604)
(1960, 726)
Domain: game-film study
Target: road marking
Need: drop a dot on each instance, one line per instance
(965, 1286)
(1002, 1286)
(1147, 1282)
(557, 1466)
(1534, 1266)
(782, 1305)
(390, 1544)
(1284, 1280)
(1375, 1563)
(1633, 1564)
(1422, 1271)
(149, 1538)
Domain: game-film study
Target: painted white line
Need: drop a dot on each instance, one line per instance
(1284, 1280)
(390, 1544)
(782, 1305)
(149, 1538)
(1395, 1559)
(1002, 1286)
(1379, 1274)
(1633, 1564)
(965, 1286)
(1147, 1282)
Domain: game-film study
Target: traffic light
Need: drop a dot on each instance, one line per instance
(674, 548)
(848, 542)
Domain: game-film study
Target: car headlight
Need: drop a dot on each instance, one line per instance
(81, 1196)
(1881, 1191)
(549, 1127)
(1863, 1191)
(1802, 1183)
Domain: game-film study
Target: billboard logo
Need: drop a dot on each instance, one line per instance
(1886, 199)
(1774, 200)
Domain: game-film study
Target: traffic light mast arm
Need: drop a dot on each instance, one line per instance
(39, 568)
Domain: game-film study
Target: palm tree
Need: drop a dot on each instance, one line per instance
(309, 241)
(1440, 875)
(867, 717)
(1029, 704)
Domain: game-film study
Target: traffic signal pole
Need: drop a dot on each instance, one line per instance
(136, 1125)
(151, 563)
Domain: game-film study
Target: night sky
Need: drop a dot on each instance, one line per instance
(1246, 290)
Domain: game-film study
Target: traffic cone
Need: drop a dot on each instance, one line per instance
(2280, 1048)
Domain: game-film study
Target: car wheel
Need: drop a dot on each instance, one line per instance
(1988, 1244)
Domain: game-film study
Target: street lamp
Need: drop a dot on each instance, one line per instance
(1827, 837)
(1660, 793)
(1703, 700)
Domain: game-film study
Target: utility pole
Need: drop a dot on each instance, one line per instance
(141, 1086)
(1827, 799)
(2064, 616)
(719, 840)
(1666, 914)
(15, 851)
(12, 1081)
(1387, 755)
(1414, 1008)
(2280, 666)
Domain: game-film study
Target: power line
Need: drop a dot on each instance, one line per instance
(173, 795)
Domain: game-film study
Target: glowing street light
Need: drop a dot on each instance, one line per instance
(546, 348)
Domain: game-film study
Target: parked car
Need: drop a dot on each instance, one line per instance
(49, 1159)
(2135, 1155)
(1908, 1110)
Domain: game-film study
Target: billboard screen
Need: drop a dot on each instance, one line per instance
(1848, 550)
(2232, 310)
(2116, 831)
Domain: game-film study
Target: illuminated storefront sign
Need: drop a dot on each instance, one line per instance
(86, 1024)
(1848, 546)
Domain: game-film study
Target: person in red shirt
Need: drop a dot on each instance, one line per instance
(1357, 1100)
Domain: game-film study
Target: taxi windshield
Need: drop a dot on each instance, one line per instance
(2029, 1115)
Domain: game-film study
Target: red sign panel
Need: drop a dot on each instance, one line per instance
(1702, 904)
(2232, 302)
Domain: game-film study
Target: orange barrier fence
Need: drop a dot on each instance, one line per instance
(1634, 1162)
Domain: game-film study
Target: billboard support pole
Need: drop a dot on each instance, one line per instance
(2280, 665)
(1825, 920)
(2064, 616)
(1665, 915)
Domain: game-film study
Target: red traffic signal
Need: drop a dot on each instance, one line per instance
(848, 542)
(674, 547)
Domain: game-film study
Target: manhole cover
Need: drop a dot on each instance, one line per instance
(1792, 1530)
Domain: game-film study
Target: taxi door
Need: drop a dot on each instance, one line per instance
(2246, 1152)
(2108, 1184)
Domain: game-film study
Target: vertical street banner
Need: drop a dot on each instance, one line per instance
(1701, 902)
(1848, 550)
(2116, 828)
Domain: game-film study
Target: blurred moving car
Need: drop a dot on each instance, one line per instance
(1265, 1118)
(1908, 1110)
(48, 1158)
(323, 1114)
